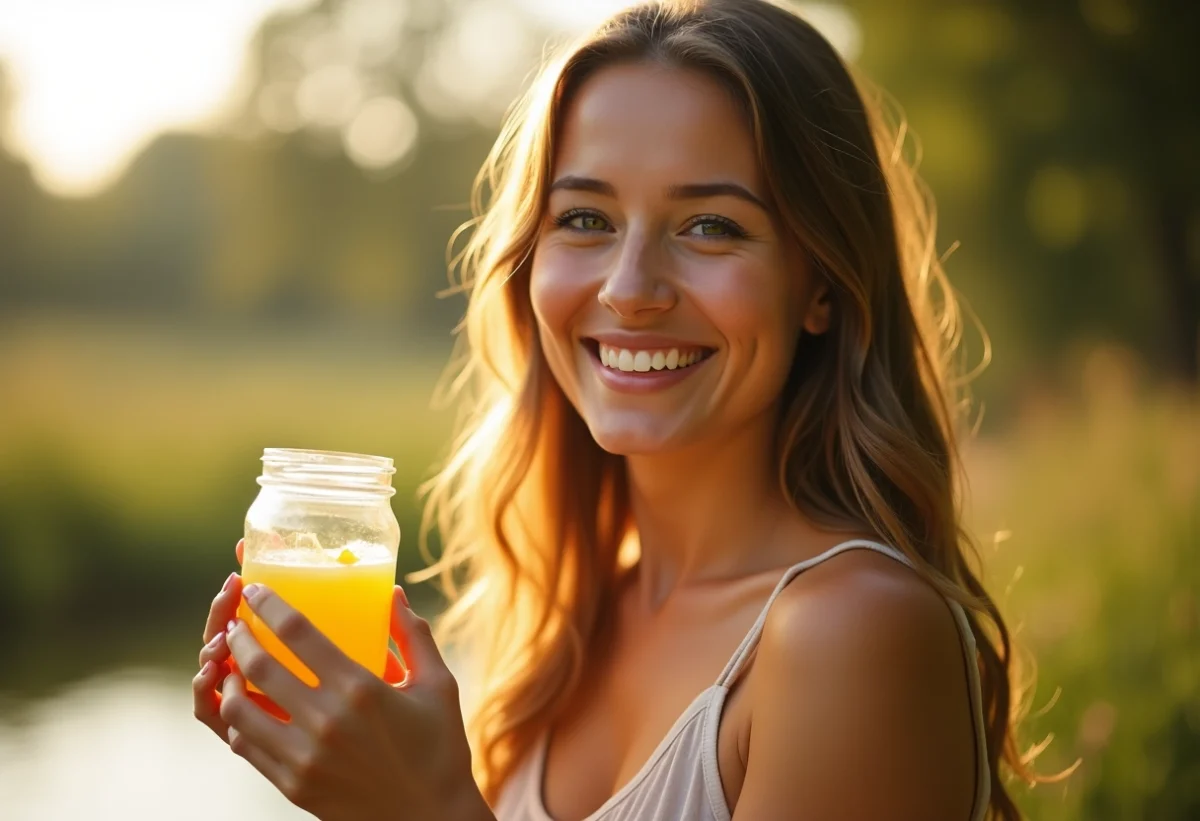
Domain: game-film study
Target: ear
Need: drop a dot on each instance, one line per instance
(819, 313)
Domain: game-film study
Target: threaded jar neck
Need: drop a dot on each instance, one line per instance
(327, 473)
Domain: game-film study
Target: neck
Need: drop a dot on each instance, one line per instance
(707, 512)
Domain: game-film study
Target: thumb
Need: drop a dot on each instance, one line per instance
(414, 639)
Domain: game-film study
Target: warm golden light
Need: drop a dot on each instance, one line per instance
(95, 82)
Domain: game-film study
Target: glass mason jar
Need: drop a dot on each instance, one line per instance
(322, 535)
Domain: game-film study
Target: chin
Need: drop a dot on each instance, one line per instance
(625, 439)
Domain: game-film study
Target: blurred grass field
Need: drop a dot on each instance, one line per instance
(1096, 500)
(128, 456)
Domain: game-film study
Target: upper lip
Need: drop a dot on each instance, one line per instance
(642, 341)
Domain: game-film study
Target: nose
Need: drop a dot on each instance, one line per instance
(637, 284)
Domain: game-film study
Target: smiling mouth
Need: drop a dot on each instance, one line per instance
(647, 360)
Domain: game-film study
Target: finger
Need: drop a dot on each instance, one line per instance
(259, 759)
(311, 646)
(206, 703)
(258, 666)
(262, 740)
(216, 651)
(414, 638)
(240, 551)
(224, 606)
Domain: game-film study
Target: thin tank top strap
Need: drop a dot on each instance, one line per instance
(734, 668)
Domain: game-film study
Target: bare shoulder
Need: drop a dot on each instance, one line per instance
(859, 698)
(861, 601)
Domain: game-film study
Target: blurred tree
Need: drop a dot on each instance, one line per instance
(20, 202)
(1061, 144)
(370, 119)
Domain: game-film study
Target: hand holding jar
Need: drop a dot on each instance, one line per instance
(309, 692)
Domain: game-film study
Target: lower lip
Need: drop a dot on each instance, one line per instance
(642, 381)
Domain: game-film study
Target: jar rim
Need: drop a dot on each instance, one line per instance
(329, 460)
(327, 473)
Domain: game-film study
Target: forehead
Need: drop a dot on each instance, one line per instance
(651, 122)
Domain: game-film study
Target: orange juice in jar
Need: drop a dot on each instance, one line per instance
(322, 535)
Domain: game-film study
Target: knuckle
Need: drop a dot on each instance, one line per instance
(359, 697)
(231, 710)
(292, 627)
(327, 729)
(295, 789)
(238, 743)
(360, 692)
(305, 769)
(424, 627)
(212, 652)
(257, 667)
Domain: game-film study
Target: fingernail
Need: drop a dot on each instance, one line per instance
(229, 627)
(252, 592)
(228, 583)
(207, 669)
(215, 640)
(403, 597)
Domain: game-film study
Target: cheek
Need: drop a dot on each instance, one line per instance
(557, 296)
(754, 307)
(559, 293)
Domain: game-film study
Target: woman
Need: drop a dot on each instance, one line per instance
(705, 509)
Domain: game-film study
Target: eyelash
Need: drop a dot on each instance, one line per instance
(564, 219)
(732, 229)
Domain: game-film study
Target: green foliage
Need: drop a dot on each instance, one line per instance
(1100, 499)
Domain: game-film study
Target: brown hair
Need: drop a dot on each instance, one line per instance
(867, 439)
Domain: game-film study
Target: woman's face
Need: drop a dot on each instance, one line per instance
(668, 301)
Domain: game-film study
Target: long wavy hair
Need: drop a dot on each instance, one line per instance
(534, 516)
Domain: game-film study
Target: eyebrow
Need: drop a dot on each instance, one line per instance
(692, 191)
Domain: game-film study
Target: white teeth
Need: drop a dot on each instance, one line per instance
(630, 361)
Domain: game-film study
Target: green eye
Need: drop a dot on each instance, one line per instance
(589, 222)
(713, 227)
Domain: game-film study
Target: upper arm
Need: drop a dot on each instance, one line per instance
(861, 708)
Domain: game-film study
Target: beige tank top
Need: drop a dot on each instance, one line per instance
(680, 781)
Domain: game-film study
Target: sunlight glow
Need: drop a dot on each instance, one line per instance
(383, 132)
(95, 82)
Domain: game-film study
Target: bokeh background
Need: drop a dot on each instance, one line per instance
(223, 226)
